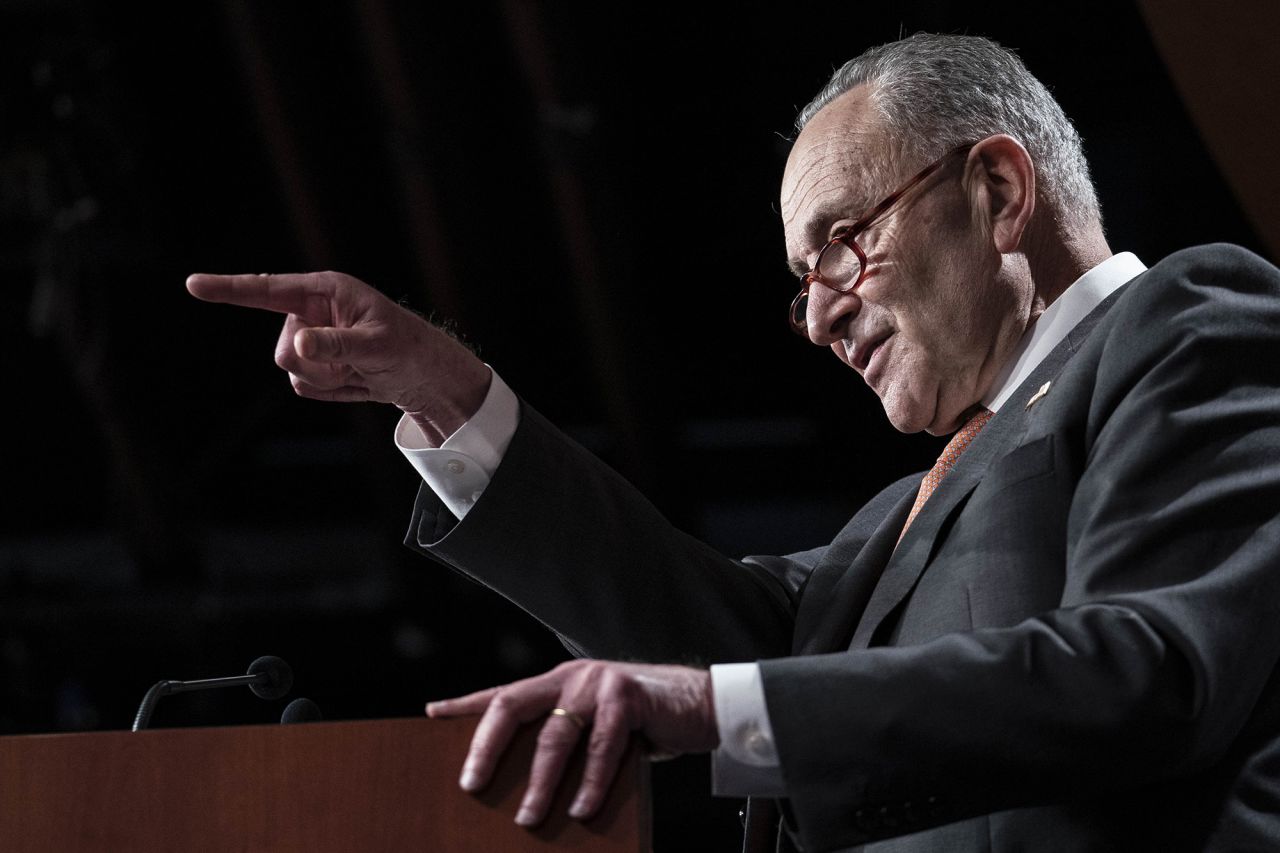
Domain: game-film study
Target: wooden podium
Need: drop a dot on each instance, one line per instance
(386, 785)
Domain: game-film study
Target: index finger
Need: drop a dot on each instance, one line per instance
(472, 703)
(290, 293)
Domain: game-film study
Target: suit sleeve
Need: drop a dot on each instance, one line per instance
(1169, 624)
(568, 540)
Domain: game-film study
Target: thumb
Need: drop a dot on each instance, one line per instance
(329, 344)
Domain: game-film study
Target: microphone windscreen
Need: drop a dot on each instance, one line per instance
(278, 677)
(301, 710)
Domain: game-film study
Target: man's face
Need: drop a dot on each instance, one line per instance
(936, 315)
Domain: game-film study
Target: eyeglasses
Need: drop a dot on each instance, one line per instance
(842, 265)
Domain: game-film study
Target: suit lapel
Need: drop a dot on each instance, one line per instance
(1001, 434)
(846, 575)
(912, 554)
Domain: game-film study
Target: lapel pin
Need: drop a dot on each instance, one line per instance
(1036, 397)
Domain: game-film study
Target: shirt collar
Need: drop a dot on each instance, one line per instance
(1084, 294)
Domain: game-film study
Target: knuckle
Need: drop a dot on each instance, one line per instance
(330, 344)
(378, 347)
(501, 702)
(611, 681)
(342, 283)
(591, 671)
(597, 667)
(615, 687)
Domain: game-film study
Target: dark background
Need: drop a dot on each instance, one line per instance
(587, 190)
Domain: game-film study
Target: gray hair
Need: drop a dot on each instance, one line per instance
(937, 92)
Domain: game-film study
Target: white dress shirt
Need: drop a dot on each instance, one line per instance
(746, 762)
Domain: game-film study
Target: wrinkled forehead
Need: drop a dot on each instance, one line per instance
(833, 171)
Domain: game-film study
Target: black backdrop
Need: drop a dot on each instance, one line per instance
(587, 190)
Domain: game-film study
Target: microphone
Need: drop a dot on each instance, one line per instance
(301, 710)
(268, 677)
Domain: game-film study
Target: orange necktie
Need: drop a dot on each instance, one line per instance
(957, 445)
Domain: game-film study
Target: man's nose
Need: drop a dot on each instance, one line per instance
(829, 314)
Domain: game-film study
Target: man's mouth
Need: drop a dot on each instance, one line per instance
(865, 352)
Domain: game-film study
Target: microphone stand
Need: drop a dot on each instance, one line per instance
(164, 688)
(268, 678)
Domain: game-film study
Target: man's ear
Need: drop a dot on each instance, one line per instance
(1002, 184)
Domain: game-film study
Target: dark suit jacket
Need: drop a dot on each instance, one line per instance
(1073, 648)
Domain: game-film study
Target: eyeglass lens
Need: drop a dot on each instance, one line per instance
(799, 311)
(839, 267)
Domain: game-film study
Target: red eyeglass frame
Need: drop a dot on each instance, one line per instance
(846, 237)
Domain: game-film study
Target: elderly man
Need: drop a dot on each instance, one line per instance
(1063, 637)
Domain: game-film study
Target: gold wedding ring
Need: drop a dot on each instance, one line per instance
(576, 719)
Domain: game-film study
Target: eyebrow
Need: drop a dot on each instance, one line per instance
(815, 231)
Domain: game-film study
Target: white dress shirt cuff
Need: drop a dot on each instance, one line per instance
(459, 470)
(746, 762)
